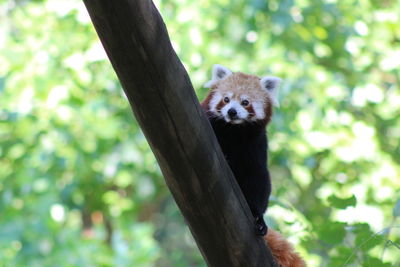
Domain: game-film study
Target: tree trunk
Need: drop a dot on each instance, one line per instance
(166, 107)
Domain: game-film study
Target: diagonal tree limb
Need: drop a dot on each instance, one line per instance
(166, 107)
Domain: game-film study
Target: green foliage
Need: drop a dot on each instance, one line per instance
(342, 203)
(332, 233)
(79, 185)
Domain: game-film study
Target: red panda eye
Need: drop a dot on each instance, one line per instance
(226, 99)
(245, 102)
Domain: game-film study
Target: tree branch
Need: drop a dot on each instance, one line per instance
(166, 107)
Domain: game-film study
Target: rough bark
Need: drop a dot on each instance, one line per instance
(166, 107)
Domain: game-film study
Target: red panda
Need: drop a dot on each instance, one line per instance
(239, 106)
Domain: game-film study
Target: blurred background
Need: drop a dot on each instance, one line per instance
(79, 185)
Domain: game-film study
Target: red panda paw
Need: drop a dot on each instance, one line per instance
(261, 226)
(282, 250)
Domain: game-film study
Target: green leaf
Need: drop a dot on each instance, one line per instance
(342, 203)
(343, 255)
(332, 232)
(366, 239)
(375, 262)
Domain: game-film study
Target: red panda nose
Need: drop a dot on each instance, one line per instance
(232, 113)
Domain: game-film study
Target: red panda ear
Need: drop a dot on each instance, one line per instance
(219, 72)
(271, 84)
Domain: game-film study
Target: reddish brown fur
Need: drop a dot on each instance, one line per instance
(282, 250)
(250, 110)
(268, 112)
(220, 105)
(204, 104)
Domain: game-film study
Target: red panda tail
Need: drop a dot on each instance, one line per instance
(282, 250)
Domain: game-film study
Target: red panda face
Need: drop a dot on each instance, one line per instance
(236, 107)
(238, 97)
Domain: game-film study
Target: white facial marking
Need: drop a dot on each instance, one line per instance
(244, 97)
(229, 94)
(216, 98)
(258, 107)
(242, 113)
